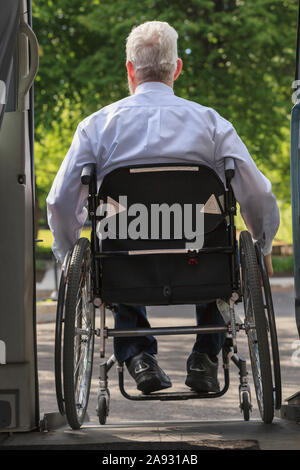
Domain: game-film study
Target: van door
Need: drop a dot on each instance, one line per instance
(18, 363)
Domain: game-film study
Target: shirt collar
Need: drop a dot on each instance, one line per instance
(157, 87)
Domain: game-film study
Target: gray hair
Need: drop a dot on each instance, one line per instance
(152, 49)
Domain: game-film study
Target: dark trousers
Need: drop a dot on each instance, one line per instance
(129, 316)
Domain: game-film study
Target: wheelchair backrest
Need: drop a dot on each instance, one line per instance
(172, 272)
(174, 188)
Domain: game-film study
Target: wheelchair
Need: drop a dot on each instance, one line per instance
(164, 271)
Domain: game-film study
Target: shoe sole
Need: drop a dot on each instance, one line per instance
(152, 384)
(198, 386)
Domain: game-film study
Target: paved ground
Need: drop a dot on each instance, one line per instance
(181, 420)
(173, 425)
(170, 435)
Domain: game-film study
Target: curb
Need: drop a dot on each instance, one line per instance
(46, 312)
(284, 282)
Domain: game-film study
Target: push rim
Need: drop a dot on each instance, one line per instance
(78, 335)
(256, 328)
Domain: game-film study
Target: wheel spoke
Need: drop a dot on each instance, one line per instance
(83, 318)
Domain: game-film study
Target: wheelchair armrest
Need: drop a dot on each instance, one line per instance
(229, 170)
(87, 173)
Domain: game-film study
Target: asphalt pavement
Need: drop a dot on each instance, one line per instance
(201, 424)
(177, 419)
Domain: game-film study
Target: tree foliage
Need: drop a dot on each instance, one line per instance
(238, 56)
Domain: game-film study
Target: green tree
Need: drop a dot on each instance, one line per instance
(238, 58)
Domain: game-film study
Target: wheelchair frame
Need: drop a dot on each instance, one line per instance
(229, 351)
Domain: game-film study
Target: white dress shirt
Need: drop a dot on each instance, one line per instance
(155, 126)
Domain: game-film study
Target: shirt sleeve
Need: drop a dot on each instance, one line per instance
(251, 188)
(67, 198)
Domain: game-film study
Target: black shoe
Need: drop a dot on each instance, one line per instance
(202, 373)
(146, 372)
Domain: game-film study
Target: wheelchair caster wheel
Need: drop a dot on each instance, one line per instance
(102, 409)
(245, 406)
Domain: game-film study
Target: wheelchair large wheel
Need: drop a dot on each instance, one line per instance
(60, 318)
(78, 334)
(256, 328)
(268, 304)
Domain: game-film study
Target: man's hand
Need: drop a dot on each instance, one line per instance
(269, 266)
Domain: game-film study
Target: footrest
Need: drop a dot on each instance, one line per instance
(172, 396)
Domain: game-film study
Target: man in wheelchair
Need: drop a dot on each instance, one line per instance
(154, 126)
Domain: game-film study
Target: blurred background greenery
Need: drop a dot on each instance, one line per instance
(238, 56)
